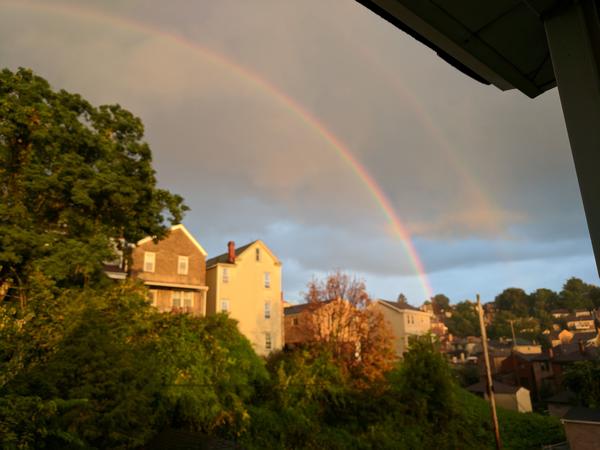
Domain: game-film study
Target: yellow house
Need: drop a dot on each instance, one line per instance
(245, 282)
(405, 321)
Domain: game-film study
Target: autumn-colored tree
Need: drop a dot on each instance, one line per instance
(340, 321)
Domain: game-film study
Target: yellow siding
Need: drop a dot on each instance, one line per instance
(405, 323)
(246, 293)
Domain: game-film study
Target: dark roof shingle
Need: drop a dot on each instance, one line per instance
(224, 257)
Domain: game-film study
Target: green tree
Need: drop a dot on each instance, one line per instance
(583, 378)
(104, 369)
(576, 294)
(72, 176)
(464, 320)
(514, 300)
(440, 303)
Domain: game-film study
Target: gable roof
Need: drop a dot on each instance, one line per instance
(223, 258)
(181, 227)
(297, 309)
(499, 388)
(400, 307)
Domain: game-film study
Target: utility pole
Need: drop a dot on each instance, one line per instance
(513, 355)
(512, 328)
(490, 386)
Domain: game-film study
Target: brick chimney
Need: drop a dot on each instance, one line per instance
(231, 252)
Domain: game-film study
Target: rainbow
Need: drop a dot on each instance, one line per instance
(399, 230)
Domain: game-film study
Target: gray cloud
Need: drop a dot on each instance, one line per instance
(479, 177)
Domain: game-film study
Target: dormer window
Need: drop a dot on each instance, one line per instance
(182, 265)
(149, 261)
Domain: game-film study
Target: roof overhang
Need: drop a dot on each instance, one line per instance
(500, 42)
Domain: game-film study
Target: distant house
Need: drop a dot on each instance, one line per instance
(559, 313)
(567, 354)
(575, 322)
(295, 324)
(563, 337)
(514, 398)
(322, 321)
(245, 282)
(530, 370)
(466, 349)
(582, 427)
(405, 321)
(174, 271)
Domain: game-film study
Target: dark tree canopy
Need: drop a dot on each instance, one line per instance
(464, 320)
(440, 303)
(72, 176)
(514, 300)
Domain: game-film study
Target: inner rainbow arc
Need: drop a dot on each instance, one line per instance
(291, 105)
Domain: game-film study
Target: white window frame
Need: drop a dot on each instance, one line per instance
(267, 310)
(176, 296)
(153, 296)
(149, 262)
(225, 275)
(188, 299)
(225, 307)
(183, 265)
(267, 280)
(268, 341)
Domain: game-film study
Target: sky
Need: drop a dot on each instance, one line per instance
(334, 137)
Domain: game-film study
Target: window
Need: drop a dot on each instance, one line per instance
(268, 342)
(267, 280)
(225, 275)
(224, 305)
(258, 254)
(182, 265)
(188, 299)
(267, 310)
(153, 297)
(295, 321)
(149, 259)
(176, 299)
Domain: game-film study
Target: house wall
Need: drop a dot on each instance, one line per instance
(246, 293)
(507, 401)
(164, 281)
(401, 323)
(295, 328)
(167, 252)
(583, 436)
(213, 291)
(164, 300)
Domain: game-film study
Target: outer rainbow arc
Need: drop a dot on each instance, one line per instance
(274, 92)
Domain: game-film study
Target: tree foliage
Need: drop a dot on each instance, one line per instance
(583, 378)
(72, 176)
(114, 371)
(342, 322)
(464, 320)
(440, 304)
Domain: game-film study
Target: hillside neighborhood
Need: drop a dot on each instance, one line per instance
(246, 284)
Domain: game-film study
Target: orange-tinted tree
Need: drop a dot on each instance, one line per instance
(340, 321)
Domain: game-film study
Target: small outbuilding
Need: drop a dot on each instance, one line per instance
(515, 398)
